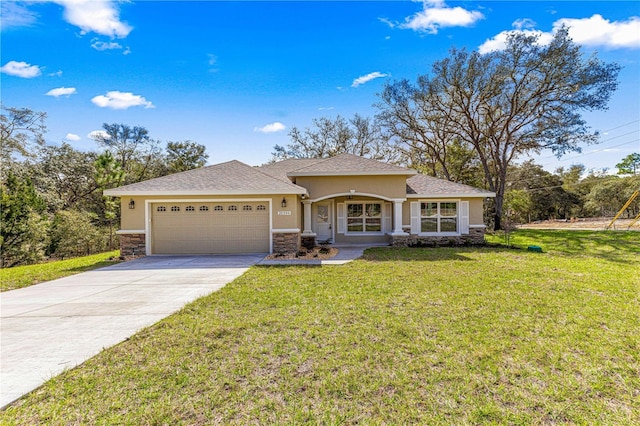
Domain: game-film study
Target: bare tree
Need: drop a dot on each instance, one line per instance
(504, 104)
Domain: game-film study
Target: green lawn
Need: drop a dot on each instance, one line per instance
(403, 336)
(24, 276)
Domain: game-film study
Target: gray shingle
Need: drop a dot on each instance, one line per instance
(232, 177)
(423, 185)
(349, 164)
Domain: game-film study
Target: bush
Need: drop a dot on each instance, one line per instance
(73, 234)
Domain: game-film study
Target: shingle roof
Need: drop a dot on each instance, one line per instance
(281, 168)
(423, 185)
(349, 165)
(228, 178)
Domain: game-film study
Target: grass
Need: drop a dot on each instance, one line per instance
(403, 336)
(24, 276)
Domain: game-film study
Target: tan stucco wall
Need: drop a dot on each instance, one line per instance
(475, 209)
(134, 219)
(389, 186)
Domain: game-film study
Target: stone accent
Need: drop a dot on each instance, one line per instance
(286, 242)
(133, 245)
(309, 242)
(475, 237)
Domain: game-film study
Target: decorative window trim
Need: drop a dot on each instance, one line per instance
(232, 208)
(161, 209)
(175, 208)
(189, 209)
(247, 208)
(462, 217)
(261, 207)
(204, 208)
(364, 216)
(218, 208)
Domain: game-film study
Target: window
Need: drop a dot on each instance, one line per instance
(364, 217)
(161, 209)
(232, 208)
(261, 207)
(218, 208)
(438, 217)
(204, 208)
(190, 209)
(247, 208)
(175, 208)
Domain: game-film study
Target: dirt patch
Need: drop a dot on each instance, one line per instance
(595, 223)
(317, 253)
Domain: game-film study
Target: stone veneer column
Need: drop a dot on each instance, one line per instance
(286, 242)
(133, 245)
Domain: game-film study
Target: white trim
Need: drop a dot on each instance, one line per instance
(353, 194)
(116, 193)
(348, 233)
(440, 234)
(147, 213)
(477, 226)
(285, 231)
(454, 195)
(130, 231)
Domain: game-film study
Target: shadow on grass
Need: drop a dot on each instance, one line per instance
(614, 246)
(98, 265)
(409, 254)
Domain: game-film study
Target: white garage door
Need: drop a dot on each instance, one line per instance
(209, 228)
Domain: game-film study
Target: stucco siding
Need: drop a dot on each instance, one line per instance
(386, 186)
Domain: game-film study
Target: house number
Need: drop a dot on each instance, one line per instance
(284, 213)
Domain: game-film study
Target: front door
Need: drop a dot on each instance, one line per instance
(324, 228)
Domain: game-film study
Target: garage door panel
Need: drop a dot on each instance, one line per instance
(209, 228)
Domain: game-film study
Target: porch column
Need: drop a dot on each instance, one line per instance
(307, 231)
(397, 219)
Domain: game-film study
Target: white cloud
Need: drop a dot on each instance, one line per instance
(62, 91)
(523, 24)
(97, 134)
(325, 108)
(593, 31)
(15, 15)
(72, 137)
(499, 42)
(121, 100)
(436, 14)
(21, 69)
(270, 128)
(366, 78)
(98, 16)
(597, 31)
(103, 45)
(55, 74)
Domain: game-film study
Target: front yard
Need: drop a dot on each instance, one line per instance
(420, 336)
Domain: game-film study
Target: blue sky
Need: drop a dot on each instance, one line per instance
(236, 76)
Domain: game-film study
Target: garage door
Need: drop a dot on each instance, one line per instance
(209, 228)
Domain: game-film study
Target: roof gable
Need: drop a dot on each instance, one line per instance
(349, 165)
(230, 178)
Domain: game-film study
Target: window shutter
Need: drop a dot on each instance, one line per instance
(342, 226)
(415, 217)
(464, 217)
(387, 218)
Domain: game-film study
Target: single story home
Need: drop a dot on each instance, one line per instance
(236, 208)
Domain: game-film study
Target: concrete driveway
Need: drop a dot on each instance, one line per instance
(53, 326)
